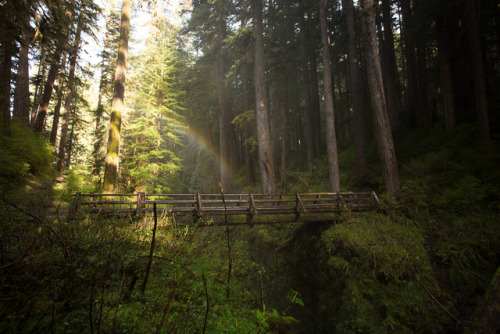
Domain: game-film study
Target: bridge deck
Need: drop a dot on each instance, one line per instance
(256, 207)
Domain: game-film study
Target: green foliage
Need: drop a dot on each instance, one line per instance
(77, 180)
(97, 287)
(22, 155)
(156, 127)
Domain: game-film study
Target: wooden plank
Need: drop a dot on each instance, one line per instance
(109, 202)
(299, 203)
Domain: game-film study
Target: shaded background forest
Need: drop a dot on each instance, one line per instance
(279, 96)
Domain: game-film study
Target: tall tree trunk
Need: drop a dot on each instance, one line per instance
(446, 75)
(100, 107)
(383, 133)
(309, 112)
(390, 73)
(283, 145)
(274, 123)
(476, 51)
(261, 112)
(71, 144)
(97, 141)
(22, 93)
(8, 50)
(54, 70)
(224, 111)
(357, 97)
(57, 108)
(69, 92)
(331, 137)
(424, 112)
(117, 106)
(410, 74)
(42, 68)
(249, 155)
(315, 104)
(246, 74)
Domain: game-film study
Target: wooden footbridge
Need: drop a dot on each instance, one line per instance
(236, 208)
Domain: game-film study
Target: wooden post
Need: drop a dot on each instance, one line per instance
(374, 199)
(298, 203)
(339, 202)
(140, 202)
(76, 205)
(252, 210)
(199, 207)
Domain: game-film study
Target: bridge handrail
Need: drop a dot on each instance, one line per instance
(250, 204)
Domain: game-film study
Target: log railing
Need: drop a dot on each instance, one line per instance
(209, 205)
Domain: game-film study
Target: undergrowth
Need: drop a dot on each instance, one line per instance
(87, 275)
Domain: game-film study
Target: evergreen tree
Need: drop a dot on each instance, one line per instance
(155, 128)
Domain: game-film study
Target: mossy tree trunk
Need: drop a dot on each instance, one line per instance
(117, 106)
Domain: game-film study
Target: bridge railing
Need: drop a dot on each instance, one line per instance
(227, 204)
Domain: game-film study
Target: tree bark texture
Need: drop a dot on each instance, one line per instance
(117, 105)
(383, 133)
(22, 93)
(42, 68)
(5, 76)
(249, 155)
(479, 80)
(357, 97)
(309, 112)
(446, 76)
(390, 73)
(57, 108)
(261, 111)
(410, 74)
(69, 93)
(54, 70)
(224, 111)
(308, 55)
(331, 137)
(424, 112)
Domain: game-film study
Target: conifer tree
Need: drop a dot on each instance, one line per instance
(261, 113)
(331, 141)
(155, 128)
(383, 133)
